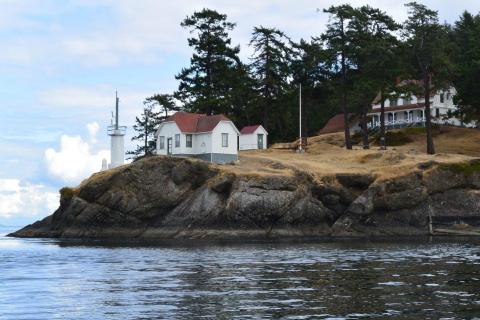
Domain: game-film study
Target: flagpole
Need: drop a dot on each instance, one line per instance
(300, 145)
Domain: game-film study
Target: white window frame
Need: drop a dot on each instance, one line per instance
(189, 138)
(224, 140)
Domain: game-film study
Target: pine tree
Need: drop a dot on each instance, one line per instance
(375, 54)
(466, 37)
(166, 104)
(308, 68)
(338, 43)
(270, 69)
(426, 40)
(206, 85)
(145, 127)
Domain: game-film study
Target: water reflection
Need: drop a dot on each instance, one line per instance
(45, 279)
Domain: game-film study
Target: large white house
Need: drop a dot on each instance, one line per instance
(253, 137)
(410, 110)
(405, 111)
(211, 138)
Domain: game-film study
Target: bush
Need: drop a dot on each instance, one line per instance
(395, 138)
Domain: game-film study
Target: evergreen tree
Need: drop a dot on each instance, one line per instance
(270, 68)
(145, 128)
(308, 67)
(206, 85)
(166, 104)
(466, 36)
(337, 41)
(375, 53)
(427, 43)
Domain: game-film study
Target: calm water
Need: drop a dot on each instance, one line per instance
(47, 279)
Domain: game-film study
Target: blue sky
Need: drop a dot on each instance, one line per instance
(61, 62)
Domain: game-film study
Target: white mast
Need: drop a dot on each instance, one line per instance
(300, 144)
(116, 132)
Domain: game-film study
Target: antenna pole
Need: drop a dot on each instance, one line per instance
(116, 110)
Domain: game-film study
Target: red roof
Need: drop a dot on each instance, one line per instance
(196, 122)
(249, 129)
(400, 108)
(336, 124)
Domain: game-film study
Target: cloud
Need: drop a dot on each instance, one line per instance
(19, 198)
(75, 160)
(93, 128)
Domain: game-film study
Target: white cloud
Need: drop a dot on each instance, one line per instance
(93, 128)
(19, 198)
(116, 32)
(75, 160)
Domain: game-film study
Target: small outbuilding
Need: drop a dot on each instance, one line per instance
(253, 138)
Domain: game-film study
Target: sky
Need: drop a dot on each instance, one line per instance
(62, 61)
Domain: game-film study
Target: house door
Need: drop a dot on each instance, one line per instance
(260, 141)
(169, 146)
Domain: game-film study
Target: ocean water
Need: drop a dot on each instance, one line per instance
(422, 279)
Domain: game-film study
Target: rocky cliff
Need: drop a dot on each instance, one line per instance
(162, 197)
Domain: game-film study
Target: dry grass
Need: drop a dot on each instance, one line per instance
(326, 156)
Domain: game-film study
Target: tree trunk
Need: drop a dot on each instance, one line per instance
(346, 119)
(428, 117)
(304, 124)
(383, 144)
(348, 144)
(365, 131)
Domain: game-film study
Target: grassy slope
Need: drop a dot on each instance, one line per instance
(326, 156)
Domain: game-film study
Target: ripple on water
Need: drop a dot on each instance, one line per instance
(45, 279)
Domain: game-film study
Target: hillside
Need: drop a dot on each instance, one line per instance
(326, 156)
(327, 191)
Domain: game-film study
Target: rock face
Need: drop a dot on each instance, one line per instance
(161, 197)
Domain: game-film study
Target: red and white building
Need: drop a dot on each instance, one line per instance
(212, 138)
(253, 138)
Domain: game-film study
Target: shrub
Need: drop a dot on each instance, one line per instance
(395, 138)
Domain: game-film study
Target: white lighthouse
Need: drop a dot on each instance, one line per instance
(116, 132)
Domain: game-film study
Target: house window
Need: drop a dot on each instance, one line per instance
(442, 98)
(162, 142)
(407, 100)
(393, 103)
(189, 140)
(437, 112)
(177, 141)
(225, 140)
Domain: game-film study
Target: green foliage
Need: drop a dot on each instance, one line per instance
(145, 127)
(207, 85)
(166, 104)
(466, 37)
(270, 69)
(466, 169)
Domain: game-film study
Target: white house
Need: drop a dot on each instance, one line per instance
(253, 137)
(405, 111)
(410, 110)
(211, 138)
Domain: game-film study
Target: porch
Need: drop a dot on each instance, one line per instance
(398, 119)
